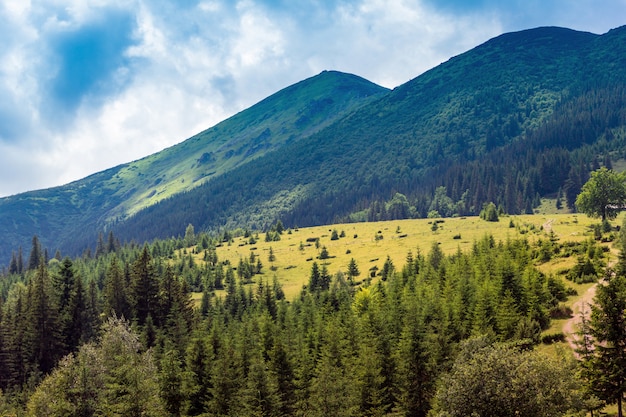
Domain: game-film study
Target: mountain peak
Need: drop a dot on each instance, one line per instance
(544, 37)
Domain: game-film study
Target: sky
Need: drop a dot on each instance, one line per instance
(88, 85)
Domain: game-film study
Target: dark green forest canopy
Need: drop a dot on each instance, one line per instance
(336, 349)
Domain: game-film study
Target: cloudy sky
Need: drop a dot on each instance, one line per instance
(87, 85)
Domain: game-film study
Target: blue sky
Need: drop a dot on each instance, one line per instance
(85, 86)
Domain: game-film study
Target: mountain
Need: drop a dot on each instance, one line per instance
(513, 119)
(524, 115)
(67, 217)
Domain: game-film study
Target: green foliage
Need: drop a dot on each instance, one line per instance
(603, 195)
(339, 347)
(501, 381)
(111, 378)
(489, 213)
(604, 359)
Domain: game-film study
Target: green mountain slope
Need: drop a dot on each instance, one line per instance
(66, 217)
(546, 94)
(523, 115)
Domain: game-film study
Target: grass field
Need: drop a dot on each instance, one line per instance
(370, 243)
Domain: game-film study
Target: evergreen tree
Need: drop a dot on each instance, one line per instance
(100, 248)
(144, 287)
(115, 291)
(130, 374)
(332, 393)
(387, 270)
(13, 269)
(353, 270)
(282, 369)
(112, 244)
(43, 334)
(20, 261)
(198, 383)
(314, 278)
(75, 322)
(171, 381)
(417, 376)
(35, 257)
(259, 397)
(605, 369)
(16, 352)
(324, 279)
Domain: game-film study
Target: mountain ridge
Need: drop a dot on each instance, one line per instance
(402, 124)
(54, 214)
(484, 99)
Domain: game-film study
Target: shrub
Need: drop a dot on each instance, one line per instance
(489, 213)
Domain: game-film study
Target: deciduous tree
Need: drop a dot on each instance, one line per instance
(603, 195)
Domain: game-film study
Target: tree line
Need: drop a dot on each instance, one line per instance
(119, 334)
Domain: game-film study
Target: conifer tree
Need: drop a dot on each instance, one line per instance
(13, 269)
(20, 260)
(324, 279)
(112, 244)
(314, 278)
(353, 270)
(605, 369)
(43, 328)
(416, 385)
(144, 287)
(16, 351)
(100, 248)
(35, 257)
(76, 323)
(198, 383)
(332, 393)
(115, 291)
(259, 397)
(283, 372)
(171, 381)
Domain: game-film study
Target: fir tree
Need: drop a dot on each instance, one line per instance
(144, 287)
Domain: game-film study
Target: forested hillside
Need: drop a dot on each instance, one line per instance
(67, 217)
(119, 333)
(523, 116)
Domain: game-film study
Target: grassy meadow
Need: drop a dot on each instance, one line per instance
(370, 243)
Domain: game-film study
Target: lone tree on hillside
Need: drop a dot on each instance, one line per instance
(603, 195)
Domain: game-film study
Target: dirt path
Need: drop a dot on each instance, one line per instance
(582, 305)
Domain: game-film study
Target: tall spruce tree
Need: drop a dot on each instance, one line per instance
(115, 292)
(144, 288)
(605, 368)
(43, 332)
(35, 256)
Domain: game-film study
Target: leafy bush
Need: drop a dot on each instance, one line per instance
(489, 213)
